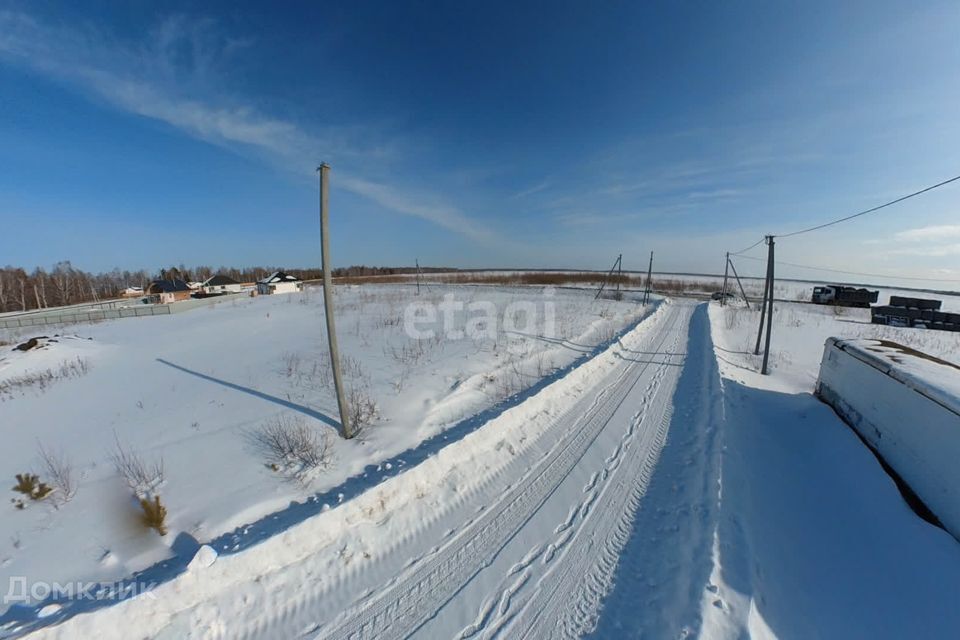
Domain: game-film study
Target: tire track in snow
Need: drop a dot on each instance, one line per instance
(666, 564)
(566, 597)
(400, 609)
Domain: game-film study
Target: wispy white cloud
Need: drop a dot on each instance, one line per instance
(149, 80)
(537, 188)
(589, 218)
(932, 241)
(421, 206)
(174, 76)
(938, 233)
(932, 251)
(686, 179)
(716, 194)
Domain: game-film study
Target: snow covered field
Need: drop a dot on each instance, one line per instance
(626, 474)
(799, 332)
(191, 390)
(702, 285)
(509, 519)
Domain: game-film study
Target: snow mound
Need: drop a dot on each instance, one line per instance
(205, 557)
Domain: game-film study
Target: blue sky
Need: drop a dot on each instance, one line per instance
(479, 134)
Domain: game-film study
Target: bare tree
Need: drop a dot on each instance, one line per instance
(62, 273)
(3, 290)
(40, 281)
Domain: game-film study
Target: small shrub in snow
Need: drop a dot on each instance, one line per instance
(60, 472)
(352, 368)
(142, 477)
(732, 317)
(606, 333)
(510, 380)
(543, 364)
(361, 407)
(291, 363)
(408, 353)
(40, 381)
(30, 486)
(154, 514)
(292, 447)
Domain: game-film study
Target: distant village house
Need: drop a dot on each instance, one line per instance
(166, 291)
(279, 282)
(220, 284)
(132, 292)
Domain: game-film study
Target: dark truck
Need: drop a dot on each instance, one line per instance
(843, 296)
(920, 313)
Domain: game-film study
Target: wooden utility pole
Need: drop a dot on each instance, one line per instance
(324, 171)
(766, 348)
(417, 262)
(619, 275)
(763, 309)
(648, 287)
(723, 291)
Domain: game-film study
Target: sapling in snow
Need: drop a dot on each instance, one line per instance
(154, 514)
(29, 485)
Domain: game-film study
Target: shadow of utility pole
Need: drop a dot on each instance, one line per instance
(313, 413)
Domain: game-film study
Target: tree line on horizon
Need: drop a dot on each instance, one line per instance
(64, 284)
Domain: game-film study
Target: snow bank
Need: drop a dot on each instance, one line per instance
(799, 331)
(906, 405)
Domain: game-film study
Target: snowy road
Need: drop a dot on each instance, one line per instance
(524, 546)
(538, 556)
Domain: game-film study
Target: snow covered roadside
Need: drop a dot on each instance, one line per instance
(799, 333)
(813, 538)
(188, 388)
(421, 508)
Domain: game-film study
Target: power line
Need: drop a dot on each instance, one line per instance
(863, 213)
(853, 273)
(755, 244)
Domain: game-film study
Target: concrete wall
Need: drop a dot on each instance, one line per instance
(906, 408)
